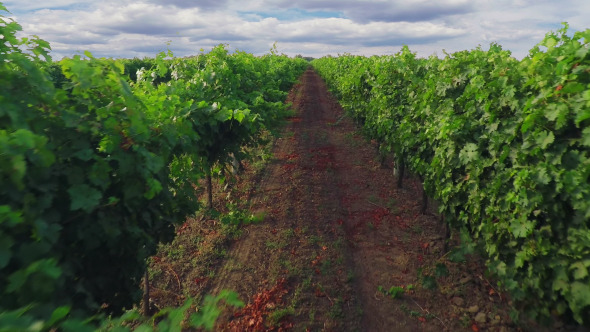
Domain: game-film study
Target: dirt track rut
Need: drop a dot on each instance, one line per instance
(335, 228)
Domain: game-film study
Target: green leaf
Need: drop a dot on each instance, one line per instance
(19, 320)
(58, 314)
(468, 153)
(586, 136)
(396, 292)
(19, 168)
(520, 258)
(231, 298)
(84, 154)
(581, 53)
(441, 270)
(44, 267)
(528, 122)
(144, 328)
(429, 282)
(581, 294)
(207, 315)
(6, 244)
(25, 138)
(522, 229)
(580, 270)
(549, 42)
(223, 115)
(542, 177)
(10, 217)
(154, 188)
(561, 281)
(557, 113)
(582, 115)
(239, 116)
(84, 197)
(176, 316)
(79, 325)
(457, 256)
(545, 138)
(573, 87)
(153, 162)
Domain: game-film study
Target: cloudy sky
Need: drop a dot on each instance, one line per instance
(130, 28)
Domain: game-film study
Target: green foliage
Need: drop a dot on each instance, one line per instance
(235, 216)
(175, 319)
(96, 168)
(502, 144)
(429, 282)
(441, 270)
(394, 291)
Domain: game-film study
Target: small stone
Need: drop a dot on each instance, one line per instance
(473, 309)
(465, 280)
(480, 317)
(459, 302)
(497, 320)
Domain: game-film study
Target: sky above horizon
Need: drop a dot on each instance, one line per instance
(315, 28)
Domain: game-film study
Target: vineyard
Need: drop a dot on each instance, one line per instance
(96, 167)
(502, 145)
(106, 162)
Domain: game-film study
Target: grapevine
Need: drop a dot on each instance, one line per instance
(504, 147)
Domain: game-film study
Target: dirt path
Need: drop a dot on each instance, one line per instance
(340, 247)
(335, 229)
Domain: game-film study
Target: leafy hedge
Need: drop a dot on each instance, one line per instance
(502, 144)
(96, 169)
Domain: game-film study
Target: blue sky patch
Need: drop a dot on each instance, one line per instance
(293, 14)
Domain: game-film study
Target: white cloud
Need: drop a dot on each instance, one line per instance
(127, 28)
(26, 5)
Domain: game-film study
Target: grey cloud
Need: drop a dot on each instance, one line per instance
(365, 42)
(390, 11)
(148, 28)
(75, 40)
(410, 14)
(149, 49)
(219, 37)
(201, 4)
(150, 22)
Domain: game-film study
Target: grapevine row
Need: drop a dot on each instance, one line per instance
(96, 167)
(503, 145)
